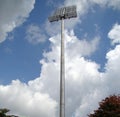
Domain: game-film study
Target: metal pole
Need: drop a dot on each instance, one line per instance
(62, 73)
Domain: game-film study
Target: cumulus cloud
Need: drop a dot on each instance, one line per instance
(84, 6)
(35, 34)
(81, 46)
(12, 14)
(115, 4)
(84, 82)
(43, 92)
(114, 34)
(26, 102)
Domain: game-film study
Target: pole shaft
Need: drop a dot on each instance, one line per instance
(62, 73)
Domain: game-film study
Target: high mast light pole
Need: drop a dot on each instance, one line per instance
(61, 14)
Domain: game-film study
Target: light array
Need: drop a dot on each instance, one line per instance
(63, 13)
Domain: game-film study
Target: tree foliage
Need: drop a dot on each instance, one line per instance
(109, 107)
(4, 111)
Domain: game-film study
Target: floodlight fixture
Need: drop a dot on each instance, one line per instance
(61, 14)
(64, 13)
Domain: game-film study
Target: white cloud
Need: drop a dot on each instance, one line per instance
(100, 2)
(21, 100)
(115, 4)
(112, 69)
(83, 6)
(43, 92)
(85, 85)
(84, 82)
(107, 3)
(12, 14)
(81, 46)
(35, 34)
(114, 34)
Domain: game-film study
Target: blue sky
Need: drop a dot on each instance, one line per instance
(18, 57)
(21, 59)
(29, 55)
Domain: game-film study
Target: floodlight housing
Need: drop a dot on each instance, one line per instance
(64, 13)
